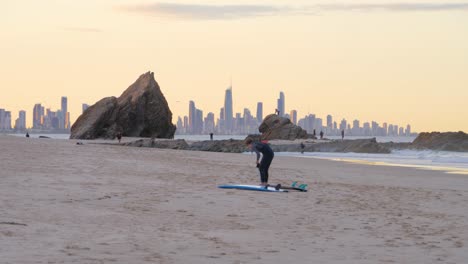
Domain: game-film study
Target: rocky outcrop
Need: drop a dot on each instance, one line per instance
(449, 141)
(231, 145)
(159, 143)
(357, 146)
(276, 127)
(238, 146)
(141, 111)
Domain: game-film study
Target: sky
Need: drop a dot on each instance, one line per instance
(401, 62)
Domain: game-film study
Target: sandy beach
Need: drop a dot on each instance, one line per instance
(66, 203)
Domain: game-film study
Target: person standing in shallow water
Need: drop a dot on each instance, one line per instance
(267, 157)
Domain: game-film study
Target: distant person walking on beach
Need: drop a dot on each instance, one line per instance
(211, 136)
(321, 134)
(302, 148)
(342, 134)
(119, 136)
(27, 134)
(267, 156)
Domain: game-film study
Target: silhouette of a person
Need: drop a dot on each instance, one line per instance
(342, 134)
(321, 134)
(119, 136)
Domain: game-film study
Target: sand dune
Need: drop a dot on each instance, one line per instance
(67, 203)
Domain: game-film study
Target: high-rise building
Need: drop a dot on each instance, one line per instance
(293, 116)
(20, 123)
(408, 130)
(38, 116)
(5, 120)
(209, 123)
(65, 113)
(2, 118)
(198, 122)
(329, 122)
(343, 124)
(228, 110)
(259, 112)
(356, 129)
(281, 104)
(84, 107)
(192, 117)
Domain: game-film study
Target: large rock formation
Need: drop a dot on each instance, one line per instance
(141, 111)
(369, 145)
(449, 141)
(161, 143)
(276, 127)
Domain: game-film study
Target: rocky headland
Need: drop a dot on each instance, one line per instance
(431, 141)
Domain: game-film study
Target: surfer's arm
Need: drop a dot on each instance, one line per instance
(257, 152)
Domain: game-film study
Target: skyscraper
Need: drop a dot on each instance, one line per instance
(329, 123)
(2, 118)
(20, 123)
(281, 104)
(38, 116)
(192, 117)
(293, 117)
(228, 110)
(259, 112)
(84, 107)
(65, 114)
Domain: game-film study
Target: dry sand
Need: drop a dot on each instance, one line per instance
(67, 203)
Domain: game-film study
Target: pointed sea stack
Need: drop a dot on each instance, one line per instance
(141, 111)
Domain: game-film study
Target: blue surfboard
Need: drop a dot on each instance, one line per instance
(251, 188)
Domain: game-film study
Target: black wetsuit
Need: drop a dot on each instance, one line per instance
(267, 154)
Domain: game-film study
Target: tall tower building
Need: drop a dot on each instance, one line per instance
(7, 120)
(228, 112)
(84, 107)
(2, 118)
(38, 116)
(65, 114)
(21, 123)
(293, 117)
(192, 117)
(259, 112)
(281, 104)
(329, 122)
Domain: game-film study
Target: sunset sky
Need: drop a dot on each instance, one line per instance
(400, 62)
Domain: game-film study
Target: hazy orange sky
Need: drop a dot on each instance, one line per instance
(400, 62)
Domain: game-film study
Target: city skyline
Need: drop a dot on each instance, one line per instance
(245, 123)
(44, 120)
(400, 62)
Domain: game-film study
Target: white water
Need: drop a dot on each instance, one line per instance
(451, 162)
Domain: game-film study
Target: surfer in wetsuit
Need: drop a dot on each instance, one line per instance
(267, 157)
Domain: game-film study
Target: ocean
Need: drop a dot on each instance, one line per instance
(451, 162)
